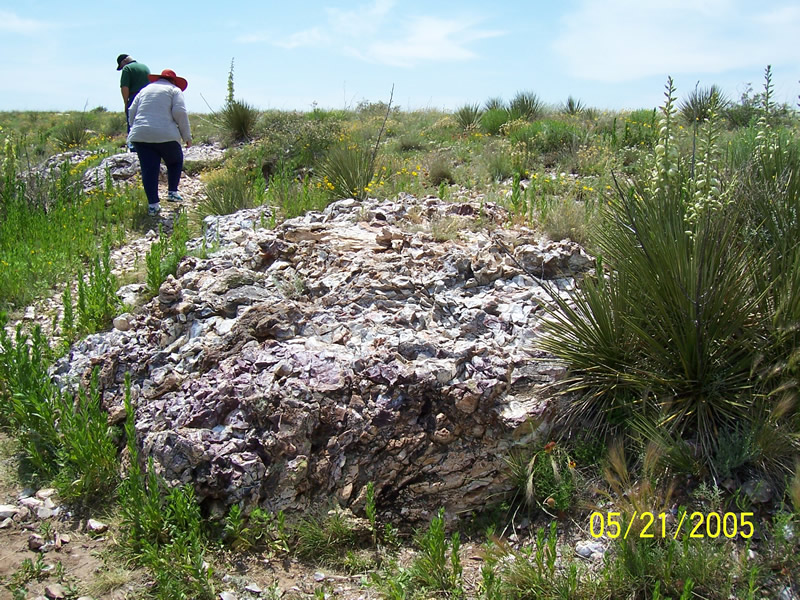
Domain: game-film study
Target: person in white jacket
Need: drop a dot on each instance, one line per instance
(159, 123)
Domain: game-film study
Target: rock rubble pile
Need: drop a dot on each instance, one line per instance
(296, 365)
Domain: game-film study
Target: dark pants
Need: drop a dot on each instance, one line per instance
(150, 156)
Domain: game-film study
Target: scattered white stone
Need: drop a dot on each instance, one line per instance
(788, 593)
(35, 542)
(227, 596)
(253, 588)
(45, 493)
(318, 576)
(94, 526)
(44, 513)
(6, 523)
(590, 549)
(55, 591)
(123, 322)
(7, 511)
(31, 502)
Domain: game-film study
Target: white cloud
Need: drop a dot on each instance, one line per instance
(307, 37)
(370, 35)
(11, 23)
(623, 40)
(429, 39)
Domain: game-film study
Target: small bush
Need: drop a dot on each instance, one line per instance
(440, 171)
(498, 165)
(97, 294)
(408, 142)
(493, 120)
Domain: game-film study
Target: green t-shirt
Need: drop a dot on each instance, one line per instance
(134, 77)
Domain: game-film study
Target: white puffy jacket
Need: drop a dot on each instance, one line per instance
(158, 114)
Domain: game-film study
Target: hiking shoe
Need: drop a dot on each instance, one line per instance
(153, 209)
(174, 197)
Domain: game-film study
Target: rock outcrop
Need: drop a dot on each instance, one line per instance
(298, 364)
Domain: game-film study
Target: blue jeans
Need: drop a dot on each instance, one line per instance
(150, 156)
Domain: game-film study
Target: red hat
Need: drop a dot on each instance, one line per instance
(170, 76)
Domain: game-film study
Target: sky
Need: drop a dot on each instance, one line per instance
(435, 54)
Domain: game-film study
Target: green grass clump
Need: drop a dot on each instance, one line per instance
(61, 440)
(435, 571)
(350, 171)
(228, 191)
(292, 197)
(49, 226)
(164, 255)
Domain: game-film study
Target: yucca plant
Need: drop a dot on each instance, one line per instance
(238, 120)
(494, 103)
(468, 116)
(699, 104)
(73, 133)
(670, 331)
(573, 106)
(526, 105)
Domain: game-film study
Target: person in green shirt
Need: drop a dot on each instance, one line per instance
(133, 78)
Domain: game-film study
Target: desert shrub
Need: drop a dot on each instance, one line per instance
(440, 169)
(87, 459)
(436, 569)
(97, 293)
(566, 218)
(498, 163)
(468, 116)
(408, 142)
(492, 120)
(114, 125)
